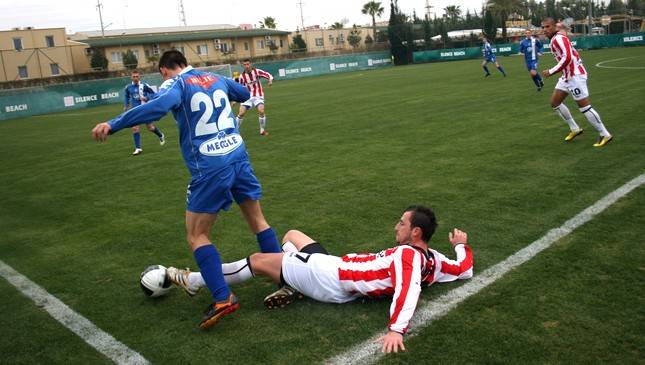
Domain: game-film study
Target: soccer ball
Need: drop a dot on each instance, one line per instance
(154, 281)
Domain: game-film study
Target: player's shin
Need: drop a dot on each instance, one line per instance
(565, 114)
(210, 266)
(237, 272)
(268, 241)
(594, 119)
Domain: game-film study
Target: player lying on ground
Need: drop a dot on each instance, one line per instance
(399, 272)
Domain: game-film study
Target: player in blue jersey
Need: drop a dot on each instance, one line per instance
(531, 47)
(216, 157)
(489, 56)
(136, 93)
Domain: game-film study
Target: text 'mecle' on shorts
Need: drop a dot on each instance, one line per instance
(253, 102)
(576, 86)
(316, 276)
(212, 193)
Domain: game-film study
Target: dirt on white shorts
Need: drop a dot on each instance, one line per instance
(316, 276)
(576, 86)
(254, 101)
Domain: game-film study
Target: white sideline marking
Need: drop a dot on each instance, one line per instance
(369, 351)
(81, 326)
(600, 64)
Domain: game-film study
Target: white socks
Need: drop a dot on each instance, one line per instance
(234, 273)
(594, 120)
(239, 122)
(263, 123)
(565, 114)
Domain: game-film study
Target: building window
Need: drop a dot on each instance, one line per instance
(224, 47)
(281, 44)
(202, 49)
(331, 38)
(246, 46)
(55, 69)
(49, 41)
(17, 44)
(319, 42)
(155, 49)
(116, 57)
(232, 46)
(261, 44)
(22, 72)
(135, 53)
(179, 48)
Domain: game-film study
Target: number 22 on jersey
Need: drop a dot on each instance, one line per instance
(219, 102)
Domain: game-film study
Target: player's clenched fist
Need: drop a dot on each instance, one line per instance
(456, 237)
(101, 131)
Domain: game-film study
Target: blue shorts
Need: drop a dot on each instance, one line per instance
(491, 58)
(212, 193)
(531, 65)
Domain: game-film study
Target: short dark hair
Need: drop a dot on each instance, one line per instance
(423, 218)
(172, 59)
(246, 60)
(135, 71)
(548, 19)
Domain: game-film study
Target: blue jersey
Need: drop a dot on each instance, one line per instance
(531, 48)
(487, 51)
(134, 92)
(208, 135)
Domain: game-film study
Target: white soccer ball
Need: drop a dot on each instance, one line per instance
(154, 281)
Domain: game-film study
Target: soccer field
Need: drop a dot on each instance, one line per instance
(346, 154)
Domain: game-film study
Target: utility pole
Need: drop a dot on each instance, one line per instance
(428, 10)
(182, 13)
(99, 6)
(302, 18)
(590, 17)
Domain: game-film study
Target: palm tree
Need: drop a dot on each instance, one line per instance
(268, 22)
(337, 25)
(374, 9)
(453, 12)
(502, 8)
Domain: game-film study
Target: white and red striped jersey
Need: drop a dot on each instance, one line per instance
(399, 272)
(252, 82)
(567, 58)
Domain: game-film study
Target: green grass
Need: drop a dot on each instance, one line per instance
(346, 154)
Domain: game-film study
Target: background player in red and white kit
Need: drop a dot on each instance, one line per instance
(573, 81)
(400, 271)
(250, 78)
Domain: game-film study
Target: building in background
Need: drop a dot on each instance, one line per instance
(202, 45)
(28, 53)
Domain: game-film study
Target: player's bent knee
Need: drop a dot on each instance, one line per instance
(291, 235)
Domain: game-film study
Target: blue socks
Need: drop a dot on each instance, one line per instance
(268, 241)
(537, 80)
(501, 69)
(137, 139)
(157, 132)
(486, 69)
(210, 266)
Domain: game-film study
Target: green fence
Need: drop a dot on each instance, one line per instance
(43, 100)
(607, 41)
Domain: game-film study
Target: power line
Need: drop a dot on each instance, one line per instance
(99, 6)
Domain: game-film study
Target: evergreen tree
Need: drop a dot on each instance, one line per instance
(354, 37)
(130, 60)
(98, 60)
(490, 28)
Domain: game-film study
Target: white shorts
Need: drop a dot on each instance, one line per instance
(576, 86)
(253, 102)
(316, 276)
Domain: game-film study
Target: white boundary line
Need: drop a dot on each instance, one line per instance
(81, 326)
(600, 64)
(369, 351)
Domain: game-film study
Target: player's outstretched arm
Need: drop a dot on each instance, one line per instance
(392, 342)
(457, 236)
(101, 131)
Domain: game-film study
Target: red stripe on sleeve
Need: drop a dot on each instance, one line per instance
(407, 262)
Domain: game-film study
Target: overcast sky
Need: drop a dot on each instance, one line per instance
(82, 15)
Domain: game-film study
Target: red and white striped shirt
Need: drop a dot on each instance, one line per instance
(399, 272)
(568, 59)
(252, 82)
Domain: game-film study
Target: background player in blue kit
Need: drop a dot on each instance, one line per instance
(531, 47)
(489, 56)
(136, 93)
(216, 157)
